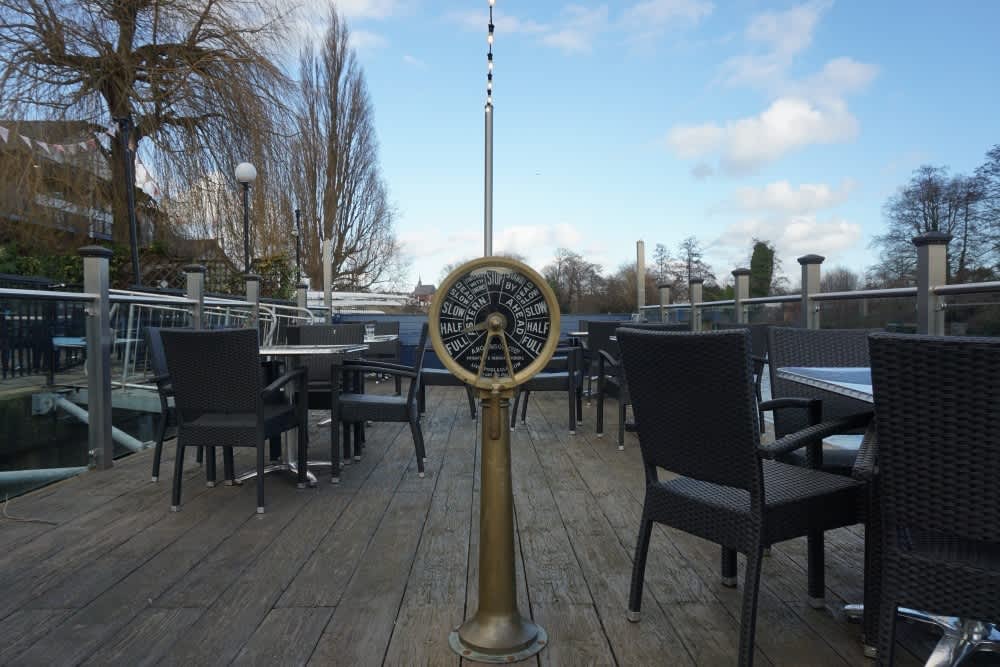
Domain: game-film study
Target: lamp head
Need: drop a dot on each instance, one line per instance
(245, 172)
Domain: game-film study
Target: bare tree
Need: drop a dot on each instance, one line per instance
(839, 279)
(932, 201)
(196, 77)
(337, 178)
(574, 280)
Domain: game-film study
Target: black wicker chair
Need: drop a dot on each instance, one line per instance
(597, 340)
(220, 401)
(729, 488)
(564, 372)
(758, 354)
(611, 381)
(442, 377)
(325, 373)
(388, 351)
(937, 404)
(358, 408)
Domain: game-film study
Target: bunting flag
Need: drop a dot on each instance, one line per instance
(143, 178)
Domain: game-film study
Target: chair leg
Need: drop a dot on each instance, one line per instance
(175, 495)
(334, 451)
(572, 411)
(199, 456)
(579, 402)
(748, 620)
(816, 568)
(303, 440)
(599, 426)
(513, 410)
(886, 632)
(418, 445)
(346, 432)
(472, 400)
(728, 567)
(359, 438)
(422, 398)
(399, 385)
(621, 424)
(158, 452)
(228, 467)
(260, 476)
(210, 466)
(639, 571)
(275, 448)
(524, 406)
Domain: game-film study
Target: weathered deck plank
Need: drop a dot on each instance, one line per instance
(378, 569)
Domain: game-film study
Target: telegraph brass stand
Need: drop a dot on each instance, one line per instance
(497, 632)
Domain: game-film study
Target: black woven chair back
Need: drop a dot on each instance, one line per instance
(318, 365)
(937, 405)
(598, 334)
(213, 371)
(694, 403)
(834, 348)
(157, 357)
(419, 354)
(758, 335)
(386, 327)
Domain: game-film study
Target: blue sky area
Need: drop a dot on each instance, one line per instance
(661, 119)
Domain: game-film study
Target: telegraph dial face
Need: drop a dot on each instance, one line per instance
(494, 322)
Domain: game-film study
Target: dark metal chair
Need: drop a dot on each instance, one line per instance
(358, 408)
(729, 488)
(564, 372)
(937, 405)
(611, 381)
(220, 402)
(596, 341)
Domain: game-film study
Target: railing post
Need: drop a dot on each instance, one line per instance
(810, 285)
(741, 291)
(326, 252)
(694, 290)
(195, 291)
(96, 280)
(302, 295)
(640, 276)
(932, 271)
(253, 296)
(664, 299)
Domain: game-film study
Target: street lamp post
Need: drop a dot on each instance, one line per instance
(245, 174)
(298, 248)
(488, 168)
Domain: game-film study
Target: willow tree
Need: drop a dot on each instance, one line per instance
(196, 78)
(338, 183)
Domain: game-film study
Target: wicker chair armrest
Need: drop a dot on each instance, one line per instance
(376, 367)
(272, 389)
(370, 364)
(814, 433)
(864, 464)
(610, 359)
(790, 402)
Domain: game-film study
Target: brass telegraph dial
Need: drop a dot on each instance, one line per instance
(494, 323)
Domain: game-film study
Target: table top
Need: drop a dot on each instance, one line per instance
(854, 382)
(297, 350)
(381, 338)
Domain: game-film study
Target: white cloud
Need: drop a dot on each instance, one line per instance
(537, 242)
(362, 40)
(413, 61)
(368, 9)
(794, 236)
(505, 24)
(647, 20)
(782, 197)
(840, 76)
(581, 27)
(786, 125)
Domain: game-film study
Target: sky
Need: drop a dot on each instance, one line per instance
(656, 120)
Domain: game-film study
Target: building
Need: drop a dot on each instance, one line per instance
(423, 294)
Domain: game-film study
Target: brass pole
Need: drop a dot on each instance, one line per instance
(497, 632)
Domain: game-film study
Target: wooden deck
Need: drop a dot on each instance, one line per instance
(378, 569)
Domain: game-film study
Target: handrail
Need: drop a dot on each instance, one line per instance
(46, 295)
(774, 298)
(149, 300)
(715, 304)
(889, 293)
(967, 288)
